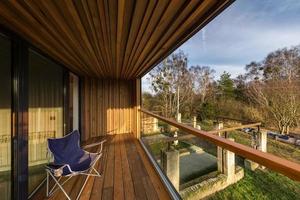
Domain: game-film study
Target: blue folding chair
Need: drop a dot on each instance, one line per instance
(70, 160)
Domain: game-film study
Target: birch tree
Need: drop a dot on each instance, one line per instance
(277, 89)
(171, 81)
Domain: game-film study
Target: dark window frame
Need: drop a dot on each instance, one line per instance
(19, 106)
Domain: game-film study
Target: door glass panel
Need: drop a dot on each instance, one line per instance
(5, 117)
(45, 113)
(74, 102)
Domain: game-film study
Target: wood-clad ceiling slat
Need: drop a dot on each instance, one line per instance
(120, 39)
(172, 35)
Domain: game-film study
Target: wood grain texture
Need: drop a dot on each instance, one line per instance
(108, 107)
(109, 39)
(127, 174)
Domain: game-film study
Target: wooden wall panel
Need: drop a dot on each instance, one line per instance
(108, 107)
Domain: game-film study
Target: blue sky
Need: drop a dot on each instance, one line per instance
(246, 31)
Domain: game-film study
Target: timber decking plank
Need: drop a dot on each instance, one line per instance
(155, 179)
(98, 183)
(87, 191)
(127, 179)
(108, 193)
(109, 173)
(118, 178)
(137, 171)
(127, 174)
(150, 192)
(78, 182)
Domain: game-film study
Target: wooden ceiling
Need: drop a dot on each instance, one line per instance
(108, 39)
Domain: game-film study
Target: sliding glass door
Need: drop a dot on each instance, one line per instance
(73, 118)
(5, 118)
(46, 103)
(52, 93)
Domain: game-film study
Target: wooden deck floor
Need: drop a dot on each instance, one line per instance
(127, 174)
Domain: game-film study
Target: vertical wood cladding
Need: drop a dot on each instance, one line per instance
(108, 107)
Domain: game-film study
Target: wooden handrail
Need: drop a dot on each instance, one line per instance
(234, 128)
(189, 136)
(234, 119)
(283, 166)
(170, 139)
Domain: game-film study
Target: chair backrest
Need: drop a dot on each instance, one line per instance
(67, 149)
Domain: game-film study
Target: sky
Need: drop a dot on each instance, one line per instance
(246, 31)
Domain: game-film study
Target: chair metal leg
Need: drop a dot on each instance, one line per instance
(88, 176)
(59, 185)
(47, 182)
(98, 174)
(54, 188)
(79, 194)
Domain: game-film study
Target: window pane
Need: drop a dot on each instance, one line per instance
(5, 117)
(45, 113)
(73, 102)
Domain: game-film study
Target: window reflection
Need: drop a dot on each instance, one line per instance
(5, 117)
(45, 113)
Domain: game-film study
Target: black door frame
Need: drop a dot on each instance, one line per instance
(19, 106)
(19, 119)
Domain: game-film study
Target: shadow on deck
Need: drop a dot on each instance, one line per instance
(127, 174)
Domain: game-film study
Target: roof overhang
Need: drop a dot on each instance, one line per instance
(109, 39)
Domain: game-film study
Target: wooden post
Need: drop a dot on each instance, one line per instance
(220, 156)
(195, 122)
(178, 117)
(155, 124)
(229, 164)
(170, 165)
(262, 140)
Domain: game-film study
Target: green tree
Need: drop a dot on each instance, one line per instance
(225, 86)
(240, 91)
(149, 101)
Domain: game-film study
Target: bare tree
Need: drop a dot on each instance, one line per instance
(202, 77)
(282, 64)
(171, 81)
(274, 86)
(281, 99)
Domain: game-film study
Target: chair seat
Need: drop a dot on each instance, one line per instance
(83, 163)
(70, 160)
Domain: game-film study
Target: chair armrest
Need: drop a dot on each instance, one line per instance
(95, 144)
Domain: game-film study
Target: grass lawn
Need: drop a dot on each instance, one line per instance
(261, 185)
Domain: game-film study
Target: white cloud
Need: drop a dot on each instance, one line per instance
(247, 31)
